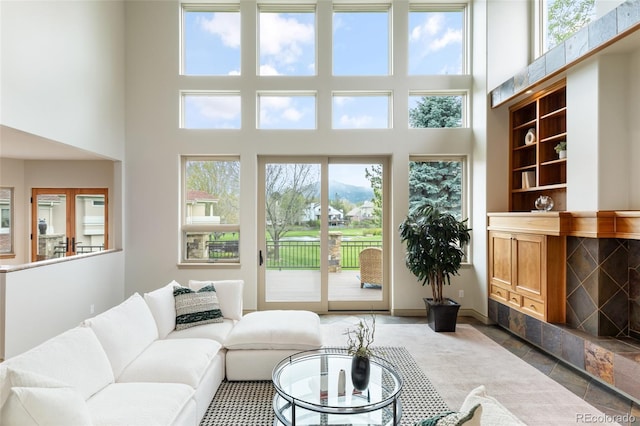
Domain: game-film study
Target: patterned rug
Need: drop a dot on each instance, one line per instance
(249, 403)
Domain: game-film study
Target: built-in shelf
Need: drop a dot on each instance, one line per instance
(535, 167)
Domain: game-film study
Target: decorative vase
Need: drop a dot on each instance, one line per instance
(360, 372)
(562, 154)
(42, 226)
(530, 137)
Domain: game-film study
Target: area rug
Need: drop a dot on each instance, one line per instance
(249, 403)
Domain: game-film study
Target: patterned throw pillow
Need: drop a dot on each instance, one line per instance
(453, 418)
(196, 307)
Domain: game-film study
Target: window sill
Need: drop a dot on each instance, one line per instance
(208, 265)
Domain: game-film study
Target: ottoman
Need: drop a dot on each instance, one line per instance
(262, 339)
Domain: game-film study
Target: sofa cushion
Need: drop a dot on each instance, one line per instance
(163, 308)
(172, 361)
(124, 331)
(276, 329)
(453, 418)
(74, 357)
(45, 406)
(11, 377)
(230, 295)
(196, 307)
(141, 404)
(493, 412)
(217, 331)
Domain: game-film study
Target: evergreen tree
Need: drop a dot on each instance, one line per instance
(437, 111)
(438, 181)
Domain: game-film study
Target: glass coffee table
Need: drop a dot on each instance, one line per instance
(308, 392)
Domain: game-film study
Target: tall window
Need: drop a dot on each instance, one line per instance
(287, 40)
(361, 40)
(441, 180)
(560, 19)
(436, 40)
(210, 40)
(211, 209)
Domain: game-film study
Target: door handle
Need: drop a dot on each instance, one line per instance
(261, 258)
(73, 244)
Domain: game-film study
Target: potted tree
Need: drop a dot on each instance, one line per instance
(435, 242)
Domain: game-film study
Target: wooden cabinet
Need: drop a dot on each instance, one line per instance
(536, 168)
(527, 269)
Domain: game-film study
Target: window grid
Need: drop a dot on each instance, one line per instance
(321, 15)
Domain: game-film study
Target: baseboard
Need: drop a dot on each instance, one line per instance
(463, 312)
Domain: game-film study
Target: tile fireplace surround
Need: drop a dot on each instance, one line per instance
(601, 336)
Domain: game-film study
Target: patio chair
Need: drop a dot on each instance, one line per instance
(370, 266)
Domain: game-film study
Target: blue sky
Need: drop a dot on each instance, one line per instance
(287, 43)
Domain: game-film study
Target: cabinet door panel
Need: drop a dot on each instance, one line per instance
(530, 264)
(501, 265)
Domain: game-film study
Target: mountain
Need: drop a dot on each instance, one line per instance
(351, 193)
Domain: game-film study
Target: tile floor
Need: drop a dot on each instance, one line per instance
(605, 399)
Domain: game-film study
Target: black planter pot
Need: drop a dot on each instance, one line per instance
(442, 317)
(360, 372)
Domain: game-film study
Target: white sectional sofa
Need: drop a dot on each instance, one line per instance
(129, 366)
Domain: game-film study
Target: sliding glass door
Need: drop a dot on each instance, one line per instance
(321, 239)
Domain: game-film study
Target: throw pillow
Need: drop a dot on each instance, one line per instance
(196, 307)
(453, 418)
(45, 406)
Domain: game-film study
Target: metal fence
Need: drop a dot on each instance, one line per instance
(306, 254)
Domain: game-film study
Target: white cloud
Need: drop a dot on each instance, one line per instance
(357, 122)
(433, 34)
(275, 102)
(268, 70)
(449, 37)
(342, 100)
(217, 107)
(284, 39)
(430, 27)
(273, 109)
(292, 114)
(225, 25)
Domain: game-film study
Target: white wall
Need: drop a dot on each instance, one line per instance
(613, 136)
(62, 78)
(601, 145)
(582, 144)
(45, 300)
(507, 40)
(634, 128)
(62, 72)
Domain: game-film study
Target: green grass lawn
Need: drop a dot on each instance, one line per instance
(306, 254)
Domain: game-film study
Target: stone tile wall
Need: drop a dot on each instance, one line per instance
(598, 285)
